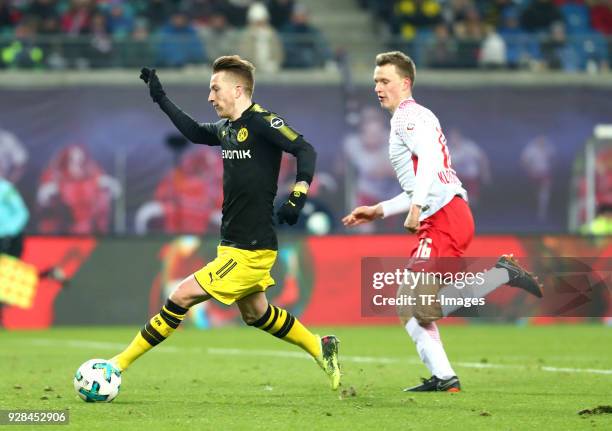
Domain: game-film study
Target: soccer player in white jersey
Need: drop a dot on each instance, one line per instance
(437, 209)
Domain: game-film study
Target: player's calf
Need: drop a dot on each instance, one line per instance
(157, 329)
(282, 324)
(163, 324)
(427, 309)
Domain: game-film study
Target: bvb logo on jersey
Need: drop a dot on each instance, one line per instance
(243, 134)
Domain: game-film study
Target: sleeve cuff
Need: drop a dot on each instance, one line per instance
(300, 188)
(397, 205)
(303, 177)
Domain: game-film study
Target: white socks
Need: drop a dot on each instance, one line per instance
(493, 278)
(427, 339)
(430, 349)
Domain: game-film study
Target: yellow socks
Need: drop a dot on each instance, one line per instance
(160, 327)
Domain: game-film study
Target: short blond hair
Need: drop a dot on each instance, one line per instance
(403, 64)
(243, 69)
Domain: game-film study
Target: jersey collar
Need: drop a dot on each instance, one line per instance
(248, 112)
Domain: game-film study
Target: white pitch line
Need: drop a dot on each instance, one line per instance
(287, 354)
(300, 355)
(90, 344)
(390, 360)
(576, 370)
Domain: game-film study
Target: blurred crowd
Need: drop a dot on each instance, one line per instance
(82, 34)
(568, 35)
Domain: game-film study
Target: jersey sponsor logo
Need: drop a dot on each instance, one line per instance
(277, 122)
(236, 154)
(243, 133)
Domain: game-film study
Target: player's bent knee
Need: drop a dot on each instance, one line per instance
(426, 314)
(252, 307)
(188, 293)
(249, 318)
(250, 315)
(405, 310)
(425, 318)
(427, 308)
(405, 313)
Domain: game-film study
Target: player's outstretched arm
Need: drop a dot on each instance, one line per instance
(205, 133)
(156, 90)
(362, 215)
(365, 214)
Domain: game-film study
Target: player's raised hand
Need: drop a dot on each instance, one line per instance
(145, 72)
(155, 88)
(361, 215)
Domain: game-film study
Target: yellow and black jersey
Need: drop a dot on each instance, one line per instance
(251, 147)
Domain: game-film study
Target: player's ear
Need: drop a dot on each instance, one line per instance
(407, 84)
(238, 91)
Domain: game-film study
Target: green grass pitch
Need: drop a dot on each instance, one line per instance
(514, 378)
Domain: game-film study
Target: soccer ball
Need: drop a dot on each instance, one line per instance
(97, 380)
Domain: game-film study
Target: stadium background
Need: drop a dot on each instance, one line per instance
(114, 196)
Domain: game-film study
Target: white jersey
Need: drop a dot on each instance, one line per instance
(420, 157)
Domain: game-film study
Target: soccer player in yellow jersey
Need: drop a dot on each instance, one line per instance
(252, 140)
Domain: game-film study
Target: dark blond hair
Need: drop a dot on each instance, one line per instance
(242, 69)
(403, 64)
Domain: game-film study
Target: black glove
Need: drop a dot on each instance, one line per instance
(290, 210)
(155, 88)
